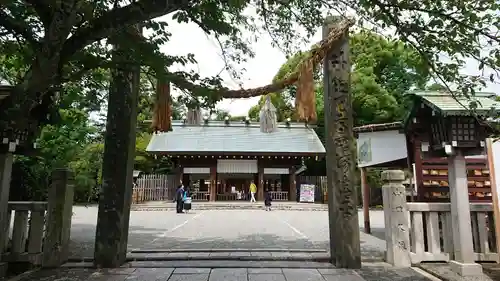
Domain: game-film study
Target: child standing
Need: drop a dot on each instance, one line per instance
(267, 200)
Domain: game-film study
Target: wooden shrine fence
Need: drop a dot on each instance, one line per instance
(154, 187)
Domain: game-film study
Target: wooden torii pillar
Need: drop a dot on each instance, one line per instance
(365, 190)
(117, 173)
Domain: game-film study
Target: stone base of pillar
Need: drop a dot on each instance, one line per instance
(3, 269)
(466, 269)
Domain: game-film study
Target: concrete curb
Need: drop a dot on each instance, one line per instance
(146, 258)
(228, 250)
(158, 208)
(426, 274)
(213, 264)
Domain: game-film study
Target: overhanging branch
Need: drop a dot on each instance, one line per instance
(89, 62)
(42, 9)
(316, 55)
(117, 18)
(18, 28)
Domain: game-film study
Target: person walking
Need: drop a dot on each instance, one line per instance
(179, 196)
(267, 200)
(253, 190)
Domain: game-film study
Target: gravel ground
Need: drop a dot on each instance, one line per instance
(222, 229)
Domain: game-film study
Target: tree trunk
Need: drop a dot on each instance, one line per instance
(119, 147)
(31, 97)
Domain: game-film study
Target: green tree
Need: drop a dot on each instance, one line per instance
(58, 146)
(221, 114)
(60, 42)
(384, 70)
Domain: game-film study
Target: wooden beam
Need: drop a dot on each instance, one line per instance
(293, 185)
(260, 182)
(417, 148)
(366, 200)
(340, 162)
(213, 182)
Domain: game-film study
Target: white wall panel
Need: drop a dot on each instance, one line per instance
(196, 170)
(237, 166)
(276, 171)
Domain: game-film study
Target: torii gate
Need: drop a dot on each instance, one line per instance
(333, 51)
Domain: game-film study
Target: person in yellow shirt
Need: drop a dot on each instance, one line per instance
(253, 190)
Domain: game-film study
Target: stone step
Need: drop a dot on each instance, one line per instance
(240, 256)
(230, 206)
(211, 264)
(319, 256)
(231, 250)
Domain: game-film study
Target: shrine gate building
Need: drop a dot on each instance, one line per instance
(219, 159)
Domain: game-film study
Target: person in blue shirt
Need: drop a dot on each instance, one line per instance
(187, 199)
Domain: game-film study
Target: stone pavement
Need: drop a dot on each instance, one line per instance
(369, 272)
(223, 230)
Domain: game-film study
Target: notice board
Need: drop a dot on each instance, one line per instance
(307, 193)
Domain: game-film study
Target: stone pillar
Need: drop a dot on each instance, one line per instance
(6, 160)
(463, 262)
(260, 184)
(213, 183)
(118, 160)
(293, 186)
(59, 214)
(397, 234)
(340, 161)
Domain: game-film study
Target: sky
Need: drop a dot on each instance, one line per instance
(189, 38)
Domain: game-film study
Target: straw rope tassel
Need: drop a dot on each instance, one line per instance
(305, 100)
(268, 117)
(194, 116)
(162, 121)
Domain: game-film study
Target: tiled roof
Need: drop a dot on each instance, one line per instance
(237, 137)
(378, 127)
(448, 105)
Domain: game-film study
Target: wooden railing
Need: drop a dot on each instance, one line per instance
(200, 196)
(227, 197)
(26, 232)
(153, 187)
(143, 194)
(38, 233)
(431, 237)
(279, 195)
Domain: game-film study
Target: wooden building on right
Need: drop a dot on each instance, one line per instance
(437, 120)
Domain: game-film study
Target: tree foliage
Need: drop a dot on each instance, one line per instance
(61, 43)
(57, 54)
(384, 70)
